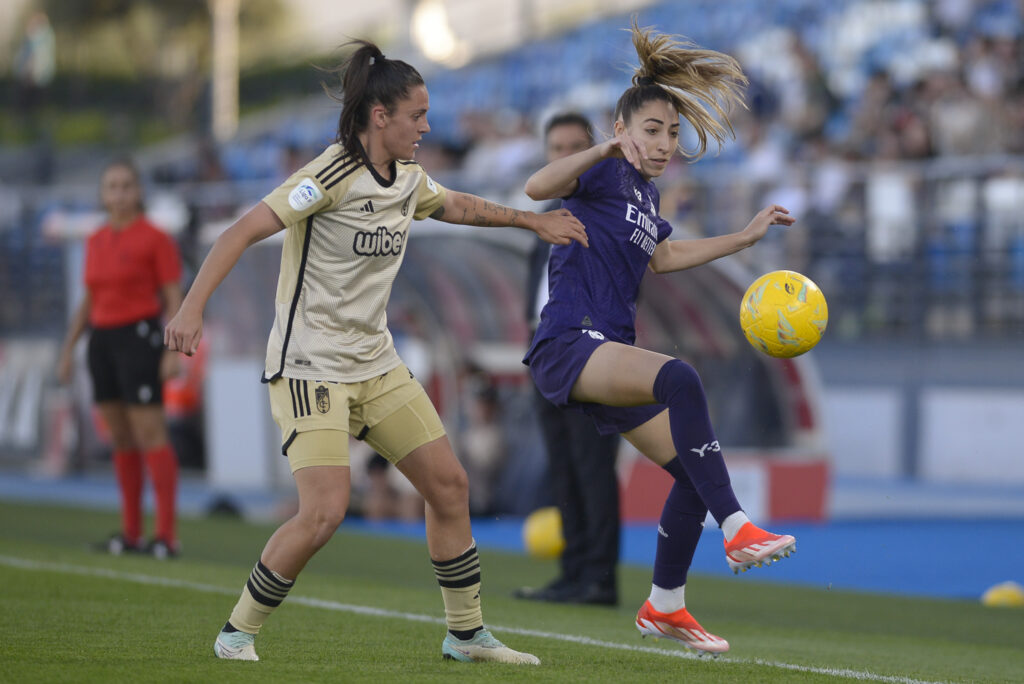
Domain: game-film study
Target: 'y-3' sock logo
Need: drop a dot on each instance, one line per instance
(713, 446)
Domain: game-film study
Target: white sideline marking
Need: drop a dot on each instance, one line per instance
(27, 564)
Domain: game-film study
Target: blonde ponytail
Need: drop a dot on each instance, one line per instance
(691, 78)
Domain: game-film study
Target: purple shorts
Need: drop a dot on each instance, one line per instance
(556, 362)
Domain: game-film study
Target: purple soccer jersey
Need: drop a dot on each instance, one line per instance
(597, 287)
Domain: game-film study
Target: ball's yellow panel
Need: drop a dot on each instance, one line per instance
(783, 314)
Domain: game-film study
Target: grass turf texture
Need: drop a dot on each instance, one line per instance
(72, 614)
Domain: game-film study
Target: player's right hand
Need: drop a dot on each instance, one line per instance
(626, 146)
(184, 331)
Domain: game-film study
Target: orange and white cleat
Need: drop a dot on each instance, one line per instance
(753, 546)
(678, 626)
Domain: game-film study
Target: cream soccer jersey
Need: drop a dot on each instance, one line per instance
(346, 229)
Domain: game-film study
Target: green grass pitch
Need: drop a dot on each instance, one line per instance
(368, 609)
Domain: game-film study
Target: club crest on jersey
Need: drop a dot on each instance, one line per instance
(304, 195)
(405, 206)
(323, 399)
(380, 242)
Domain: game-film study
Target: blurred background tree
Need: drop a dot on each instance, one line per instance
(135, 71)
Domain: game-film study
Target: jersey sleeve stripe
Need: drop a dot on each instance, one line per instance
(328, 186)
(342, 161)
(327, 176)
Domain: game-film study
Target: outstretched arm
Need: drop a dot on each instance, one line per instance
(677, 255)
(557, 227)
(560, 178)
(186, 328)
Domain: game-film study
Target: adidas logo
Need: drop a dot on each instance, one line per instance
(368, 207)
(586, 321)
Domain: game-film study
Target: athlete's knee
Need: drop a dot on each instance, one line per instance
(322, 519)
(448, 490)
(674, 379)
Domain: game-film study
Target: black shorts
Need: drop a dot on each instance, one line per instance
(125, 363)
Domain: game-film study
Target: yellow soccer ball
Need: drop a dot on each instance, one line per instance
(783, 314)
(542, 533)
(1004, 595)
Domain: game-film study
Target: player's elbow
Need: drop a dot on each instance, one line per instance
(535, 191)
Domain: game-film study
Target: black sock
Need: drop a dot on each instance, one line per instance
(464, 635)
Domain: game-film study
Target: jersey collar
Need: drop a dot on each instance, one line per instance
(381, 180)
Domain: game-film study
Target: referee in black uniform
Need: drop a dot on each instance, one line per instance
(581, 462)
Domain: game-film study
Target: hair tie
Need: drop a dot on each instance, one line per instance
(378, 59)
(645, 81)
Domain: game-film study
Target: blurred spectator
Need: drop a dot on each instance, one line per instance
(35, 65)
(294, 157)
(482, 441)
(581, 461)
(1013, 115)
(385, 494)
(501, 147)
(961, 124)
(210, 168)
(911, 134)
(808, 112)
(870, 114)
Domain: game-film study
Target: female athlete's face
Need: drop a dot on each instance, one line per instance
(120, 194)
(656, 126)
(406, 124)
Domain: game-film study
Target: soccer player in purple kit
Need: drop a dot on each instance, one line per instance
(583, 355)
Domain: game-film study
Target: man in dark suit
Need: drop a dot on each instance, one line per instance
(581, 462)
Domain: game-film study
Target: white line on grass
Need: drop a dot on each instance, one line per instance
(28, 564)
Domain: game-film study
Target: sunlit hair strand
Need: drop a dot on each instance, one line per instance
(702, 85)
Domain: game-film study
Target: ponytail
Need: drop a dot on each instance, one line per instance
(691, 79)
(368, 78)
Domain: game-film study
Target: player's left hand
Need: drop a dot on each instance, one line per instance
(560, 227)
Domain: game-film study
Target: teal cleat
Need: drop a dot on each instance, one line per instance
(484, 648)
(235, 646)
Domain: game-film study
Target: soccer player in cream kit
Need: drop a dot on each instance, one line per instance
(583, 355)
(331, 365)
